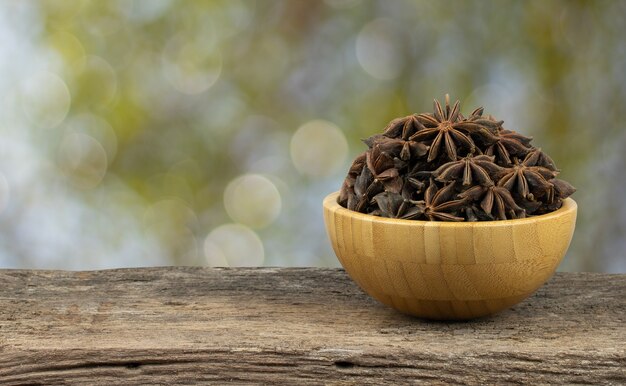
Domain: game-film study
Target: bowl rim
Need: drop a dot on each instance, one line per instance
(330, 203)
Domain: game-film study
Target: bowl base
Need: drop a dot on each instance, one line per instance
(442, 310)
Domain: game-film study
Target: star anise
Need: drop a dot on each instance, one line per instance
(396, 141)
(494, 200)
(528, 180)
(347, 188)
(554, 199)
(442, 131)
(365, 187)
(415, 178)
(403, 127)
(437, 203)
(482, 129)
(397, 147)
(394, 205)
(489, 122)
(508, 144)
(471, 168)
(474, 212)
(539, 158)
(383, 169)
(446, 130)
(562, 189)
(476, 114)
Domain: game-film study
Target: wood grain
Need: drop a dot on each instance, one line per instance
(294, 326)
(444, 270)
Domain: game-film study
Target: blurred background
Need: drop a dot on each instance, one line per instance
(158, 132)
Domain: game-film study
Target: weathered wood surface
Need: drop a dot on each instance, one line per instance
(297, 326)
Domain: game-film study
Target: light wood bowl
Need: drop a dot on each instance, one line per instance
(444, 270)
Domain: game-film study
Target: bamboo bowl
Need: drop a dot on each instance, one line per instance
(449, 271)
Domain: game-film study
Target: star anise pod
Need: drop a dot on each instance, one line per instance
(347, 188)
(508, 144)
(437, 203)
(476, 114)
(394, 205)
(396, 141)
(447, 131)
(482, 129)
(473, 213)
(383, 169)
(364, 188)
(494, 200)
(539, 158)
(471, 168)
(403, 127)
(489, 122)
(416, 177)
(559, 192)
(562, 189)
(441, 129)
(528, 180)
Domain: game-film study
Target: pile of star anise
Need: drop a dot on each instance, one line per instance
(447, 167)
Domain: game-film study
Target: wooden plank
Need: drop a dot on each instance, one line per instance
(300, 326)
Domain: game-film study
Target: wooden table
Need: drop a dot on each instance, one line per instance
(294, 325)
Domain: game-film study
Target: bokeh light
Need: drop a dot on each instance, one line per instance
(191, 66)
(318, 148)
(378, 49)
(235, 245)
(83, 160)
(97, 128)
(96, 82)
(173, 221)
(69, 47)
(45, 99)
(252, 200)
(173, 211)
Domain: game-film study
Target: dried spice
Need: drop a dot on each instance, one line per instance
(442, 166)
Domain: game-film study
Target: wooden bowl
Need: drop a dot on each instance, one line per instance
(444, 270)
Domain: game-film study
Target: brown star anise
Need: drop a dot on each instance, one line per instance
(394, 205)
(509, 144)
(446, 130)
(494, 200)
(528, 180)
(489, 122)
(396, 141)
(473, 212)
(562, 189)
(365, 187)
(539, 158)
(480, 168)
(442, 129)
(416, 177)
(397, 147)
(403, 127)
(383, 169)
(347, 189)
(437, 203)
